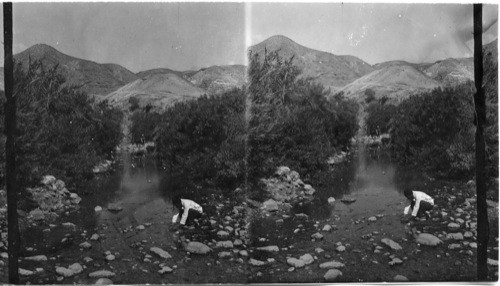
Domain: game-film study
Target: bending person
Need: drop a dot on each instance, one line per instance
(420, 203)
(189, 209)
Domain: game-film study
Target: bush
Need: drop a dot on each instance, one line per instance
(204, 140)
(378, 117)
(435, 130)
(143, 125)
(60, 130)
(292, 122)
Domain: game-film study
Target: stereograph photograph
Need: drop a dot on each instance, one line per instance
(250, 142)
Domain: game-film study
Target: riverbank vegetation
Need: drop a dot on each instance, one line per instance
(219, 141)
(60, 130)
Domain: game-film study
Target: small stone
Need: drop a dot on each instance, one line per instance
(237, 242)
(395, 261)
(165, 269)
(454, 246)
(468, 234)
(97, 209)
(455, 236)
(101, 274)
(255, 262)
(140, 227)
(160, 252)
(224, 244)
(392, 244)
(291, 269)
(327, 227)
(36, 258)
(331, 264)
(103, 281)
(222, 234)
(270, 248)
(85, 245)
(331, 200)
(110, 257)
(317, 236)
(400, 278)
(453, 225)
(197, 248)
(340, 248)
(319, 250)
(372, 219)
(307, 258)
(473, 245)
(243, 253)
(492, 262)
(24, 272)
(224, 254)
(297, 263)
(95, 237)
(332, 274)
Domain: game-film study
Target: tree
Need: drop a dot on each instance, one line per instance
(10, 148)
(480, 119)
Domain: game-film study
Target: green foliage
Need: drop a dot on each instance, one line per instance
(378, 117)
(292, 122)
(204, 140)
(60, 130)
(435, 130)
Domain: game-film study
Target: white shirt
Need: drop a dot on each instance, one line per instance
(187, 205)
(419, 196)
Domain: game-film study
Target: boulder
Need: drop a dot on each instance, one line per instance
(297, 263)
(331, 264)
(332, 275)
(197, 248)
(390, 243)
(160, 252)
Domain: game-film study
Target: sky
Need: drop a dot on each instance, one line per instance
(187, 36)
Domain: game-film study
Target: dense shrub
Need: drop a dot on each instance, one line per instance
(292, 122)
(435, 130)
(143, 125)
(378, 117)
(204, 140)
(60, 130)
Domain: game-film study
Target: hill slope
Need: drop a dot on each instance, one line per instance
(157, 90)
(452, 72)
(94, 78)
(396, 82)
(217, 79)
(328, 69)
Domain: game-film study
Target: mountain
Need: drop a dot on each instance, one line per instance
(396, 82)
(330, 70)
(158, 90)
(146, 73)
(217, 79)
(452, 72)
(94, 78)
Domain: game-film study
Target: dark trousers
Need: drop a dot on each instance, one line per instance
(424, 206)
(192, 215)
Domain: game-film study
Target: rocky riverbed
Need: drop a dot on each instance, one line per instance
(126, 237)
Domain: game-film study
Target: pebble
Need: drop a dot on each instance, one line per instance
(101, 274)
(36, 258)
(94, 237)
(224, 244)
(165, 269)
(453, 225)
(297, 263)
(255, 262)
(392, 244)
(340, 248)
(85, 245)
(307, 258)
(372, 219)
(395, 261)
(270, 248)
(332, 274)
(400, 278)
(317, 236)
(103, 281)
(319, 250)
(160, 252)
(331, 264)
(327, 227)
